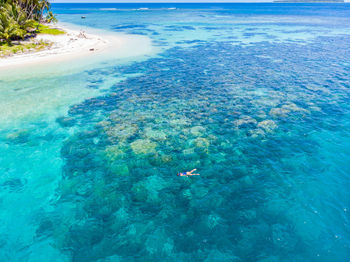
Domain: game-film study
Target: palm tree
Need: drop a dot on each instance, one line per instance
(17, 17)
(51, 18)
(43, 5)
(8, 27)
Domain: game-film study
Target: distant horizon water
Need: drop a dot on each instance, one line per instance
(195, 1)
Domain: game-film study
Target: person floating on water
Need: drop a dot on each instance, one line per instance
(188, 173)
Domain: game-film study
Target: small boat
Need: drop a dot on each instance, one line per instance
(83, 17)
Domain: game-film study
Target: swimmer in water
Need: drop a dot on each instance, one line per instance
(188, 173)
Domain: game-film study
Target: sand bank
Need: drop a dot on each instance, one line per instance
(70, 46)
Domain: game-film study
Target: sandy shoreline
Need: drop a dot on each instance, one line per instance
(65, 47)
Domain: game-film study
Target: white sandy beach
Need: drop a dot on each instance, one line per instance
(69, 54)
(70, 46)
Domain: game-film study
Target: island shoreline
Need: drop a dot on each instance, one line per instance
(74, 44)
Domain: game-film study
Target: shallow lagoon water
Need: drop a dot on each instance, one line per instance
(253, 96)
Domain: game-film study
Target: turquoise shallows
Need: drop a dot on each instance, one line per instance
(255, 96)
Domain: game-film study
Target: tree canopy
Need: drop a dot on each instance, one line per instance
(20, 17)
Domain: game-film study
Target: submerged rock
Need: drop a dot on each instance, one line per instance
(139, 192)
(20, 136)
(159, 159)
(197, 130)
(120, 219)
(13, 184)
(66, 121)
(218, 256)
(246, 181)
(201, 145)
(143, 146)
(147, 190)
(120, 169)
(155, 134)
(267, 125)
(270, 259)
(199, 191)
(261, 114)
(179, 122)
(257, 133)
(103, 123)
(294, 108)
(186, 194)
(251, 235)
(283, 237)
(201, 142)
(286, 109)
(213, 220)
(158, 243)
(245, 121)
(188, 151)
(247, 215)
(218, 158)
(167, 159)
(279, 112)
(115, 152)
(122, 131)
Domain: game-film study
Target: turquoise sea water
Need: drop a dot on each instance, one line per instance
(255, 96)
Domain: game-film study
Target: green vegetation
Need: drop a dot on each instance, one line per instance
(23, 18)
(8, 50)
(44, 29)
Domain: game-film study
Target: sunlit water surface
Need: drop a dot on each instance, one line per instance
(255, 96)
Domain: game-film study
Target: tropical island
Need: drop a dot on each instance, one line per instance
(21, 21)
(28, 27)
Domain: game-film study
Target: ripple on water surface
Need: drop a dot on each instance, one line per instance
(263, 169)
(266, 125)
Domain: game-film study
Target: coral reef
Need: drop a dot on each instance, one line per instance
(120, 197)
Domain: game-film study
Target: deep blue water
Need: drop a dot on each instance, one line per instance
(255, 96)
